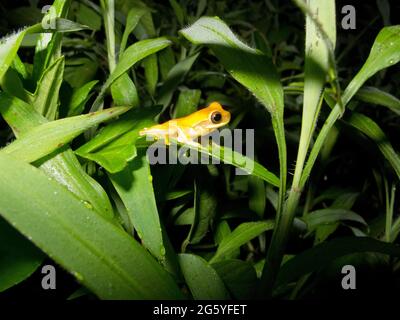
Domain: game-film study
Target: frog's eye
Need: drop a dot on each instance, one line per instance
(216, 117)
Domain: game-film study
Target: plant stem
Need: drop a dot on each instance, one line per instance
(108, 16)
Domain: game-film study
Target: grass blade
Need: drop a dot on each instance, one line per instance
(330, 215)
(379, 97)
(131, 55)
(48, 137)
(240, 236)
(371, 129)
(135, 188)
(100, 255)
(321, 255)
(385, 52)
(64, 167)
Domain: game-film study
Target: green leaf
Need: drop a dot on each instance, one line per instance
(385, 52)
(257, 195)
(205, 205)
(131, 55)
(329, 215)
(45, 99)
(240, 236)
(175, 76)
(236, 159)
(124, 93)
(100, 255)
(166, 61)
(114, 146)
(180, 15)
(88, 16)
(187, 103)
(251, 68)
(321, 255)
(221, 232)
(79, 71)
(248, 66)
(64, 167)
(18, 257)
(12, 84)
(65, 25)
(371, 129)
(316, 70)
(133, 18)
(9, 46)
(379, 97)
(48, 45)
(177, 194)
(151, 73)
(239, 276)
(134, 186)
(203, 281)
(50, 136)
(79, 98)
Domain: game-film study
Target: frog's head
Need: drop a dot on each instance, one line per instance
(216, 116)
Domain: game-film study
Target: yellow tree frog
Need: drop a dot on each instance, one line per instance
(188, 128)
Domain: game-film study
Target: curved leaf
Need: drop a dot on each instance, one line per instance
(47, 137)
(202, 280)
(240, 236)
(379, 97)
(319, 256)
(371, 129)
(251, 68)
(135, 188)
(385, 52)
(64, 167)
(330, 215)
(100, 255)
(131, 55)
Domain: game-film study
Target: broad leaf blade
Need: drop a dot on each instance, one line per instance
(240, 236)
(64, 167)
(135, 188)
(50, 136)
(202, 280)
(100, 255)
(330, 215)
(114, 146)
(131, 55)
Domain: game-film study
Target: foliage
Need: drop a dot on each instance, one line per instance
(77, 186)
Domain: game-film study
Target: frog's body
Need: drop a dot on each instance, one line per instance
(188, 128)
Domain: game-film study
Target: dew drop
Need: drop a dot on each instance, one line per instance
(87, 204)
